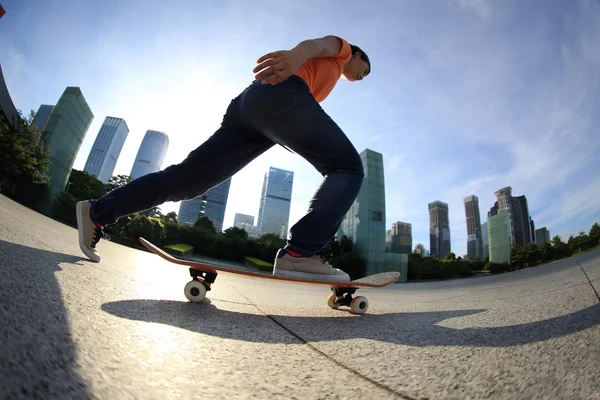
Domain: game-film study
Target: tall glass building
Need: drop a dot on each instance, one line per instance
(7, 107)
(106, 149)
(151, 154)
(500, 237)
(63, 131)
(211, 206)
(399, 238)
(474, 235)
(242, 219)
(41, 117)
(485, 240)
(364, 223)
(275, 202)
(439, 229)
(518, 214)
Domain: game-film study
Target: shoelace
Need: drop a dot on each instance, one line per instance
(98, 234)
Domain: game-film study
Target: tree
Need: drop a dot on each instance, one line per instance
(119, 180)
(170, 218)
(204, 223)
(546, 252)
(153, 212)
(236, 233)
(84, 186)
(450, 257)
(346, 245)
(22, 154)
(595, 234)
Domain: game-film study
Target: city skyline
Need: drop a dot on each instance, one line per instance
(469, 86)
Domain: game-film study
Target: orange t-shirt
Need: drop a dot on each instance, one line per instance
(321, 74)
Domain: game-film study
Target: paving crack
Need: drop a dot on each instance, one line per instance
(588, 278)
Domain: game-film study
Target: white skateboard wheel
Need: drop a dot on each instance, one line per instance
(195, 291)
(359, 305)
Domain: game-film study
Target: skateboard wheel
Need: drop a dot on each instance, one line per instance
(359, 305)
(195, 291)
(331, 301)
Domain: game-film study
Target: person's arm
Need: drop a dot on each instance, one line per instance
(328, 46)
(281, 64)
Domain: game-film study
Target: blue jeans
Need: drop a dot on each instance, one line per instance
(261, 116)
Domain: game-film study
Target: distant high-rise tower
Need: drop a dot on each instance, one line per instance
(439, 229)
(7, 107)
(485, 240)
(240, 219)
(245, 222)
(64, 128)
(107, 148)
(364, 223)
(151, 154)
(518, 215)
(420, 250)
(500, 237)
(211, 205)
(275, 202)
(41, 117)
(399, 238)
(474, 234)
(542, 236)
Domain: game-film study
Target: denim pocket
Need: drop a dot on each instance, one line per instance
(270, 100)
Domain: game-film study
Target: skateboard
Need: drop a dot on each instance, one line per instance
(204, 275)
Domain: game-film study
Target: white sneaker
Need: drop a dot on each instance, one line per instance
(89, 233)
(314, 267)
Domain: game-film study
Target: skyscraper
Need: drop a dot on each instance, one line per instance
(474, 234)
(211, 205)
(7, 107)
(364, 223)
(151, 154)
(64, 130)
(500, 237)
(518, 215)
(107, 148)
(542, 236)
(275, 202)
(41, 117)
(485, 240)
(439, 229)
(399, 238)
(245, 222)
(420, 250)
(240, 219)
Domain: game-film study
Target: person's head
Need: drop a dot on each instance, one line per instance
(358, 66)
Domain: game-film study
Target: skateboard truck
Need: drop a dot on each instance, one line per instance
(343, 296)
(208, 278)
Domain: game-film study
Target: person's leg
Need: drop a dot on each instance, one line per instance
(300, 124)
(227, 151)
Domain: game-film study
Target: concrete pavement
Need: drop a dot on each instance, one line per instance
(121, 329)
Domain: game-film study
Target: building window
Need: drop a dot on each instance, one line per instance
(377, 216)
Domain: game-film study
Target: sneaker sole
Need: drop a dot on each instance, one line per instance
(79, 212)
(316, 277)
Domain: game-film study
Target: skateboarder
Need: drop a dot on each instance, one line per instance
(280, 107)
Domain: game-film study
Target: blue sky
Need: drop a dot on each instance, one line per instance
(465, 96)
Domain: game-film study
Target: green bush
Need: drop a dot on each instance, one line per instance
(495, 268)
(260, 264)
(179, 249)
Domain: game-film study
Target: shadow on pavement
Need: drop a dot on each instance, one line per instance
(37, 352)
(412, 329)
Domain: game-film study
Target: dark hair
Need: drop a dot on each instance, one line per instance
(363, 55)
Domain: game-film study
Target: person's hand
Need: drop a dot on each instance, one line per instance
(278, 66)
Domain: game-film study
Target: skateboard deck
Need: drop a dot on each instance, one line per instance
(204, 275)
